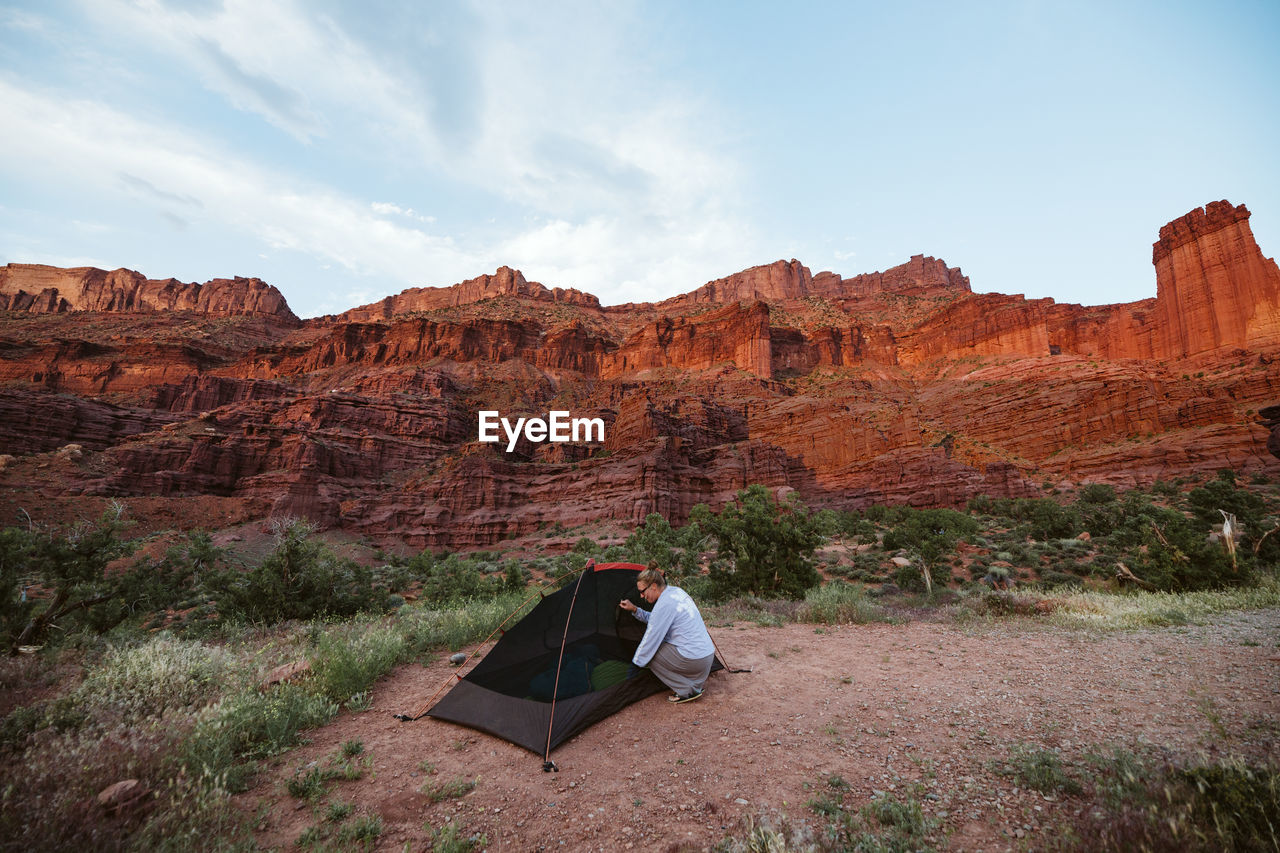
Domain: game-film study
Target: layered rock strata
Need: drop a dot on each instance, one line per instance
(901, 386)
(50, 290)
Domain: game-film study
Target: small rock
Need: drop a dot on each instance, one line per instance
(287, 672)
(122, 796)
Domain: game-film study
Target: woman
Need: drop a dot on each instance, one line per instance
(676, 645)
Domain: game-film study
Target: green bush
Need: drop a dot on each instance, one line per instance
(72, 567)
(930, 535)
(838, 603)
(251, 725)
(300, 579)
(462, 624)
(1229, 805)
(656, 541)
(151, 678)
(1172, 553)
(1223, 494)
(1041, 770)
(347, 662)
(764, 548)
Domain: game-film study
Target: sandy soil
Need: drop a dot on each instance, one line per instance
(882, 706)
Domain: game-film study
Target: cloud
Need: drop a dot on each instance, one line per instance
(275, 60)
(616, 182)
(282, 106)
(146, 188)
(385, 208)
(96, 148)
(18, 19)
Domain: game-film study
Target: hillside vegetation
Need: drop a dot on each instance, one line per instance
(190, 667)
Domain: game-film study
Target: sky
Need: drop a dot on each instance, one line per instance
(345, 151)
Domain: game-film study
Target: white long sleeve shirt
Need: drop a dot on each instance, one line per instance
(675, 619)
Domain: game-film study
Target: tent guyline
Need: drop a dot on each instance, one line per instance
(559, 669)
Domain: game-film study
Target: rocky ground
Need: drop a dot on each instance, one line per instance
(933, 708)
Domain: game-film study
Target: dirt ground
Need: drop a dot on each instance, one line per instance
(881, 706)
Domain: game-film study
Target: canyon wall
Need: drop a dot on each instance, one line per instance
(42, 289)
(900, 386)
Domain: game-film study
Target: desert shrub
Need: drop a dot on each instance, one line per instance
(1249, 509)
(1040, 769)
(764, 548)
(1229, 805)
(438, 791)
(71, 566)
(1100, 517)
(16, 546)
(1040, 518)
(348, 662)
(908, 579)
(1097, 493)
(457, 626)
(300, 579)
(1171, 552)
(251, 725)
(656, 541)
(1056, 579)
(43, 804)
(446, 839)
(930, 535)
(1222, 493)
(887, 822)
(148, 679)
(514, 576)
(837, 603)
(586, 546)
(455, 579)
(362, 832)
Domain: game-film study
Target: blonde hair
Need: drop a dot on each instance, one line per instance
(652, 576)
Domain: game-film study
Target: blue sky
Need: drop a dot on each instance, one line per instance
(345, 151)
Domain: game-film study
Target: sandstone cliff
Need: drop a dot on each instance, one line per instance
(1214, 287)
(505, 282)
(43, 289)
(900, 386)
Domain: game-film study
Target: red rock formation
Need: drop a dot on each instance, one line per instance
(918, 274)
(43, 289)
(417, 341)
(505, 282)
(40, 421)
(1214, 288)
(737, 335)
(790, 280)
(900, 386)
(773, 282)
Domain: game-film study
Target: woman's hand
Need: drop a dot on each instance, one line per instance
(627, 605)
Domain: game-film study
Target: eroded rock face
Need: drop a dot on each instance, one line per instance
(504, 282)
(901, 386)
(1214, 287)
(50, 290)
(737, 335)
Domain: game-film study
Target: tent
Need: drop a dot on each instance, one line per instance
(561, 668)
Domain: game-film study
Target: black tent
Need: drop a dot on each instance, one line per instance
(561, 668)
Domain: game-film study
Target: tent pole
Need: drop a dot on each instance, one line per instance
(547, 764)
